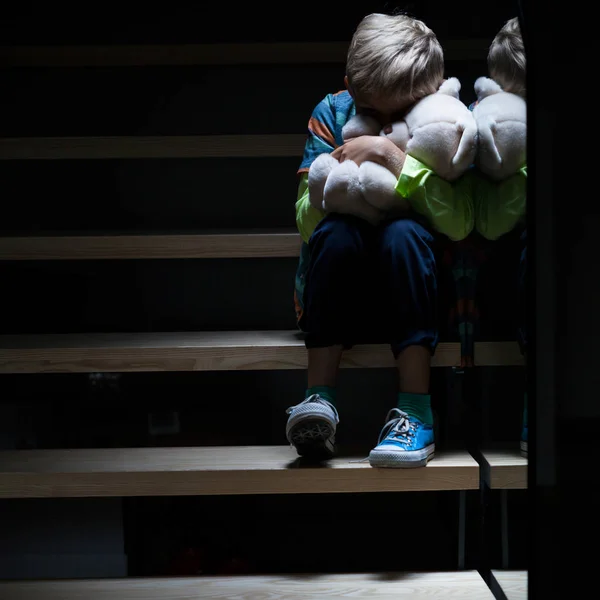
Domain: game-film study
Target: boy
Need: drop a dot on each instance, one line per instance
(393, 61)
(500, 207)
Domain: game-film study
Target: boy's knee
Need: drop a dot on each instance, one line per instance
(339, 236)
(404, 233)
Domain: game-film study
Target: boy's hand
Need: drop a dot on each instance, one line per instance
(372, 148)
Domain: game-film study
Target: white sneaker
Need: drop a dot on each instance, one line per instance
(311, 427)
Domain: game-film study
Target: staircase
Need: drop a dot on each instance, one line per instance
(127, 207)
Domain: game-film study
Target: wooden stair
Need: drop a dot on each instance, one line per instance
(203, 351)
(215, 471)
(463, 585)
(125, 246)
(504, 469)
(512, 583)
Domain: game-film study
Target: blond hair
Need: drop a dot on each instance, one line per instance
(394, 56)
(506, 58)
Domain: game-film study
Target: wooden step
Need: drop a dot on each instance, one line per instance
(204, 54)
(461, 585)
(498, 354)
(512, 583)
(179, 146)
(504, 468)
(196, 351)
(151, 246)
(229, 470)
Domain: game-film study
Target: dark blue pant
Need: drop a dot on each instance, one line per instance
(367, 284)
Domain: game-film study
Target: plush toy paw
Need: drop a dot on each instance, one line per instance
(342, 193)
(501, 119)
(378, 187)
(360, 125)
(317, 177)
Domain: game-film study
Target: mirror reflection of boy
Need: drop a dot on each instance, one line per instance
(500, 206)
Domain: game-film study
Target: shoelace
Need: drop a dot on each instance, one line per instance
(403, 428)
(318, 400)
(400, 426)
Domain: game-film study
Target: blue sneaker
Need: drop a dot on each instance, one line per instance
(311, 427)
(404, 442)
(524, 440)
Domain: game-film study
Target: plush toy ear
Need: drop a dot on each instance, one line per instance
(484, 87)
(450, 87)
(360, 125)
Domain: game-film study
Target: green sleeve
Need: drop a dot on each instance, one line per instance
(307, 216)
(499, 206)
(448, 207)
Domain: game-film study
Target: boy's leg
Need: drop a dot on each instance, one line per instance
(406, 254)
(337, 257)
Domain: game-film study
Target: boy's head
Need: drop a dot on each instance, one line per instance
(393, 61)
(506, 58)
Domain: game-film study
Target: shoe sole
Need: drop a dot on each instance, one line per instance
(524, 450)
(401, 460)
(312, 438)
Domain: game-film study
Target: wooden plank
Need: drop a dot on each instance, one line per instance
(257, 53)
(512, 583)
(181, 351)
(167, 146)
(498, 354)
(185, 351)
(507, 468)
(461, 585)
(151, 246)
(230, 470)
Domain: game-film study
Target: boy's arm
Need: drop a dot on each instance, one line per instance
(307, 216)
(320, 140)
(448, 207)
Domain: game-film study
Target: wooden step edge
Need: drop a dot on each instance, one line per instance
(148, 246)
(228, 470)
(503, 468)
(257, 53)
(167, 146)
(512, 584)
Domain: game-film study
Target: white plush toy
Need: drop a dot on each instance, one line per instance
(439, 131)
(501, 119)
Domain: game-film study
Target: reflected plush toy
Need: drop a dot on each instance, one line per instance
(501, 119)
(439, 131)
